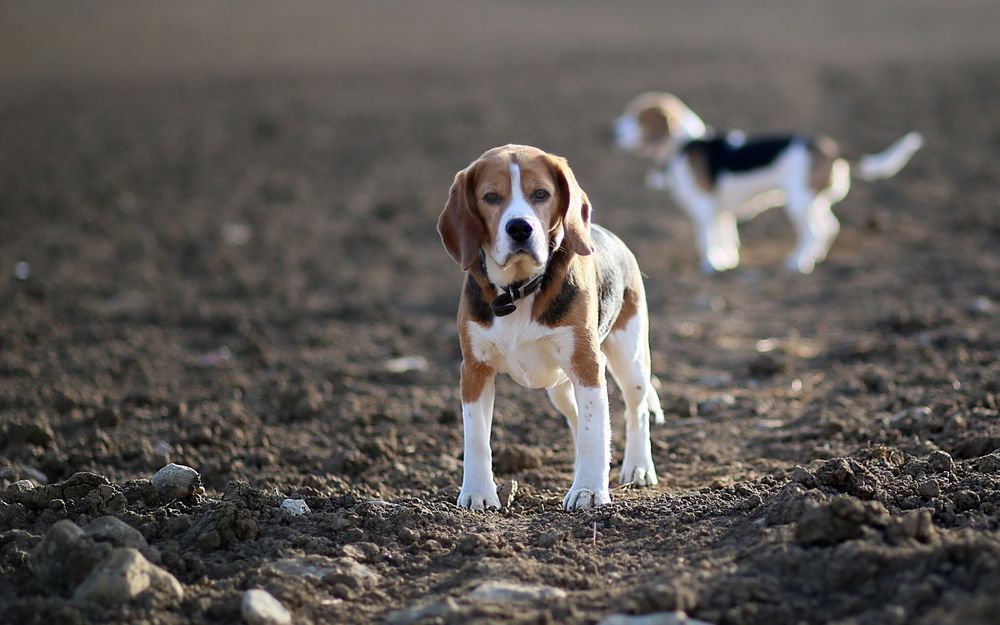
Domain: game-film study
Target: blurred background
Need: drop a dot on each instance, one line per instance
(218, 248)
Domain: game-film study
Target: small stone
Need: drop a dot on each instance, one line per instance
(112, 530)
(22, 486)
(260, 608)
(765, 366)
(176, 481)
(980, 305)
(550, 539)
(405, 363)
(408, 535)
(657, 618)
(940, 461)
(506, 592)
(506, 494)
(929, 489)
(435, 610)
(990, 463)
(295, 507)
(966, 500)
(801, 475)
(716, 403)
(326, 570)
(124, 575)
(65, 556)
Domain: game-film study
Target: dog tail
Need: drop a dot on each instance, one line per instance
(888, 162)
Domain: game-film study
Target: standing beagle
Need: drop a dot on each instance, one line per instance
(720, 179)
(549, 299)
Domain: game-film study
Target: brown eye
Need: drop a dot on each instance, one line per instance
(540, 195)
(492, 198)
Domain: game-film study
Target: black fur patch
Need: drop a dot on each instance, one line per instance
(727, 154)
(561, 304)
(479, 308)
(612, 265)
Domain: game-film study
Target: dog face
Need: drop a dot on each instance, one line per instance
(651, 121)
(516, 204)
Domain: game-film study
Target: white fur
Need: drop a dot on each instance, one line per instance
(741, 196)
(503, 265)
(537, 356)
(888, 162)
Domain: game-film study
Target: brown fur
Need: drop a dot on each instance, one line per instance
(698, 161)
(823, 153)
(630, 303)
(567, 210)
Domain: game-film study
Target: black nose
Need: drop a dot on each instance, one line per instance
(519, 230)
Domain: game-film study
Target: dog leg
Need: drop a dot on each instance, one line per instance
(729, 239)
(593, 443)
(809, 231)
(561, 396)
(628, 360)
(479, 491)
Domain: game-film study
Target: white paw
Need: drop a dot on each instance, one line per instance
(639, 474)
(801, 263)
(478, 499)
(579, 498)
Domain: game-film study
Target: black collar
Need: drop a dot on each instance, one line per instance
(503, 305)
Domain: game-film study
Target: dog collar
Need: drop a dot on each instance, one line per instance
(503, 304)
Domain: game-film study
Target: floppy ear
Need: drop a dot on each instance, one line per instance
(460, 228)
(575, 209)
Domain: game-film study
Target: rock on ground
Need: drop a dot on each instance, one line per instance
(176, 481)
(260, 608)
(500, 592)
(124, 575)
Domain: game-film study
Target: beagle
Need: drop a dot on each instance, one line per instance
(549, 299)
(722, 178)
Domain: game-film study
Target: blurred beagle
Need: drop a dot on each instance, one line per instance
(549, 299)
(720, 179)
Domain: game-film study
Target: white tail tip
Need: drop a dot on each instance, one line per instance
(888, 162)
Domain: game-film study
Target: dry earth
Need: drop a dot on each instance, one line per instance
(217, 241)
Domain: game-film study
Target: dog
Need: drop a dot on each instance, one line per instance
(720, 179)
(551, 300)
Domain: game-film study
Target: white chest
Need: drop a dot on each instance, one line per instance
(533, 355)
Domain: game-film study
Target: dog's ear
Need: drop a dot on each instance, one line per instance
(459, 225)
(575, 209)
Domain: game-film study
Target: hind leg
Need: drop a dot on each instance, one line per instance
(562, 398)
(815, 227)
(627, 350)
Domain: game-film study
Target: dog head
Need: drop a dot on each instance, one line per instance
(653, 123)
(515, 204)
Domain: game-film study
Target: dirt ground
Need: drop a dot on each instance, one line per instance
(217, 242)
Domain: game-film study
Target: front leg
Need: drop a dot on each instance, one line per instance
(479, 491)
(593, 440)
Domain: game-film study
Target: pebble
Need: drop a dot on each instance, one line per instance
(64, 557)
(405, 363)
(504, 592)
(981, 305)
(260, 608)
(124, 575)
(176, 481)
(506, 494)
(112, 530)
(657, 618)
(940, 461)
(436, 610)
(295, 507)
(324, 569)
(715, 403)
